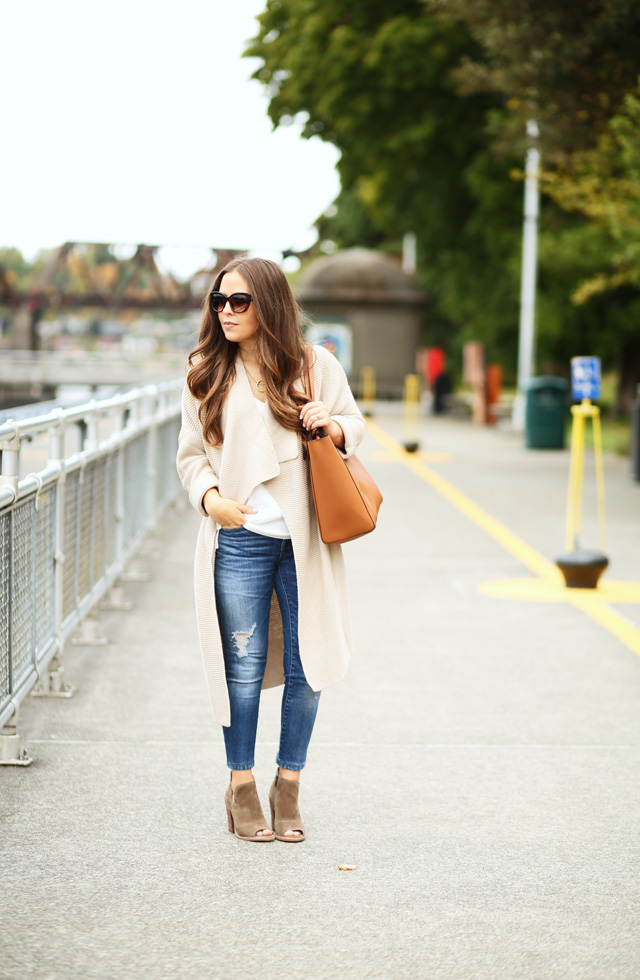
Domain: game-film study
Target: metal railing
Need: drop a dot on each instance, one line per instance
(67, 531)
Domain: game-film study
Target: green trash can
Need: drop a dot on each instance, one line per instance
(545, 413)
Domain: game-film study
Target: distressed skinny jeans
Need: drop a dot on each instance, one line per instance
(248, 567)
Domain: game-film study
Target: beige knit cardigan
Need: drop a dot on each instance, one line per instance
(258, 450)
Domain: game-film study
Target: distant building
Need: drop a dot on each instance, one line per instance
(368, 311)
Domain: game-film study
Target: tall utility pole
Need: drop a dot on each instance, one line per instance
(409, 253)
(526, 345)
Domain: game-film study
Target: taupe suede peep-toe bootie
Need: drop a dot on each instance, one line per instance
(244, 812)
(285, 815)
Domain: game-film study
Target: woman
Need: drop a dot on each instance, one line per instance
(271, 597)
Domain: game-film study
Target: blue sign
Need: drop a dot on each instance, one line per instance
(585, 378)
(336, 337)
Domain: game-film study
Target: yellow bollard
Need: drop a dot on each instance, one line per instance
(580, 567)
(576, 472)
(368, 390)
(410, 405)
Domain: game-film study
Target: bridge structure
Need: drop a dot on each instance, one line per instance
(49, 369)
(91, 275)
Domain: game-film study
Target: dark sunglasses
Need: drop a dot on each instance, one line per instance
(239, 302)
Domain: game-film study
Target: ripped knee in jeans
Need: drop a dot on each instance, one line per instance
(242, 638)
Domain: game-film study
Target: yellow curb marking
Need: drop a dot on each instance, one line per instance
(538, 590)
(549, 586)
(382, 456)
(531, 589)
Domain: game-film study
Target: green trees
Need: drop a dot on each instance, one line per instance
(426, 102)
(602, 186)
(569, 66)
(415, 155)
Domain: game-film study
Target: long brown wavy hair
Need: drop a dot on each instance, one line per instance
(280, 344)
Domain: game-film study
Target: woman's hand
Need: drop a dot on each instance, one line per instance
(227, 513)
(315, 415)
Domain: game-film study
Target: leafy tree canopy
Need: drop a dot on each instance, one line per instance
(567, 65)
(603, 184)
(414, 153)
(426, 100)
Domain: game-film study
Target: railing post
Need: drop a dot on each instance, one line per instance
(51, 682)
(11, 752)
(116, 598)
(10, 453)
(119, 428)
(57, 455)
(92, 422)
(152, 406)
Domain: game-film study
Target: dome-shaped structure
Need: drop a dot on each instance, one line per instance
(364, 308)
(358, 275)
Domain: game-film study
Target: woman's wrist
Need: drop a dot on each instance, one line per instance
(335, 433)
(315, 415)
(210, 499)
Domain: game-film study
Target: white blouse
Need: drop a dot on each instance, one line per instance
(269, 519)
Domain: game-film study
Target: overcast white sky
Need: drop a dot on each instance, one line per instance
(136, 121)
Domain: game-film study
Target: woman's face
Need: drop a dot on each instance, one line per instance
(239, 327)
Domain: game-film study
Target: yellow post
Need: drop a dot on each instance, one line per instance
(368, 390)
(571, 493)
(410, 403)
(580, 414)
(579, 476)
(597, 449)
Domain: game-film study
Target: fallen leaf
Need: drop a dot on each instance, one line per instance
(347, 867)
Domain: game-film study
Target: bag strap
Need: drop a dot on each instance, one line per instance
(308, 373)
(308, 387)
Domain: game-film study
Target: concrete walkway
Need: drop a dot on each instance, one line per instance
(480, 764)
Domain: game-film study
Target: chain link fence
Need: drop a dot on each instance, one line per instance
(67, 531)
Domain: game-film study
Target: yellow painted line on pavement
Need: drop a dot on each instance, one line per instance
(549, 585)
(593, 606)
(383, 456)
(539, 590)
(509, 541)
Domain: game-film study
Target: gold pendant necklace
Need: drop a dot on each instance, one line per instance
(260, 385)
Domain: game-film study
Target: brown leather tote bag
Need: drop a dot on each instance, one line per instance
(346, 498)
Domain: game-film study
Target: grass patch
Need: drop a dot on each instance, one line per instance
(616, 435)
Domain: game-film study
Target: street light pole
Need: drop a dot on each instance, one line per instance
(526, 345)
